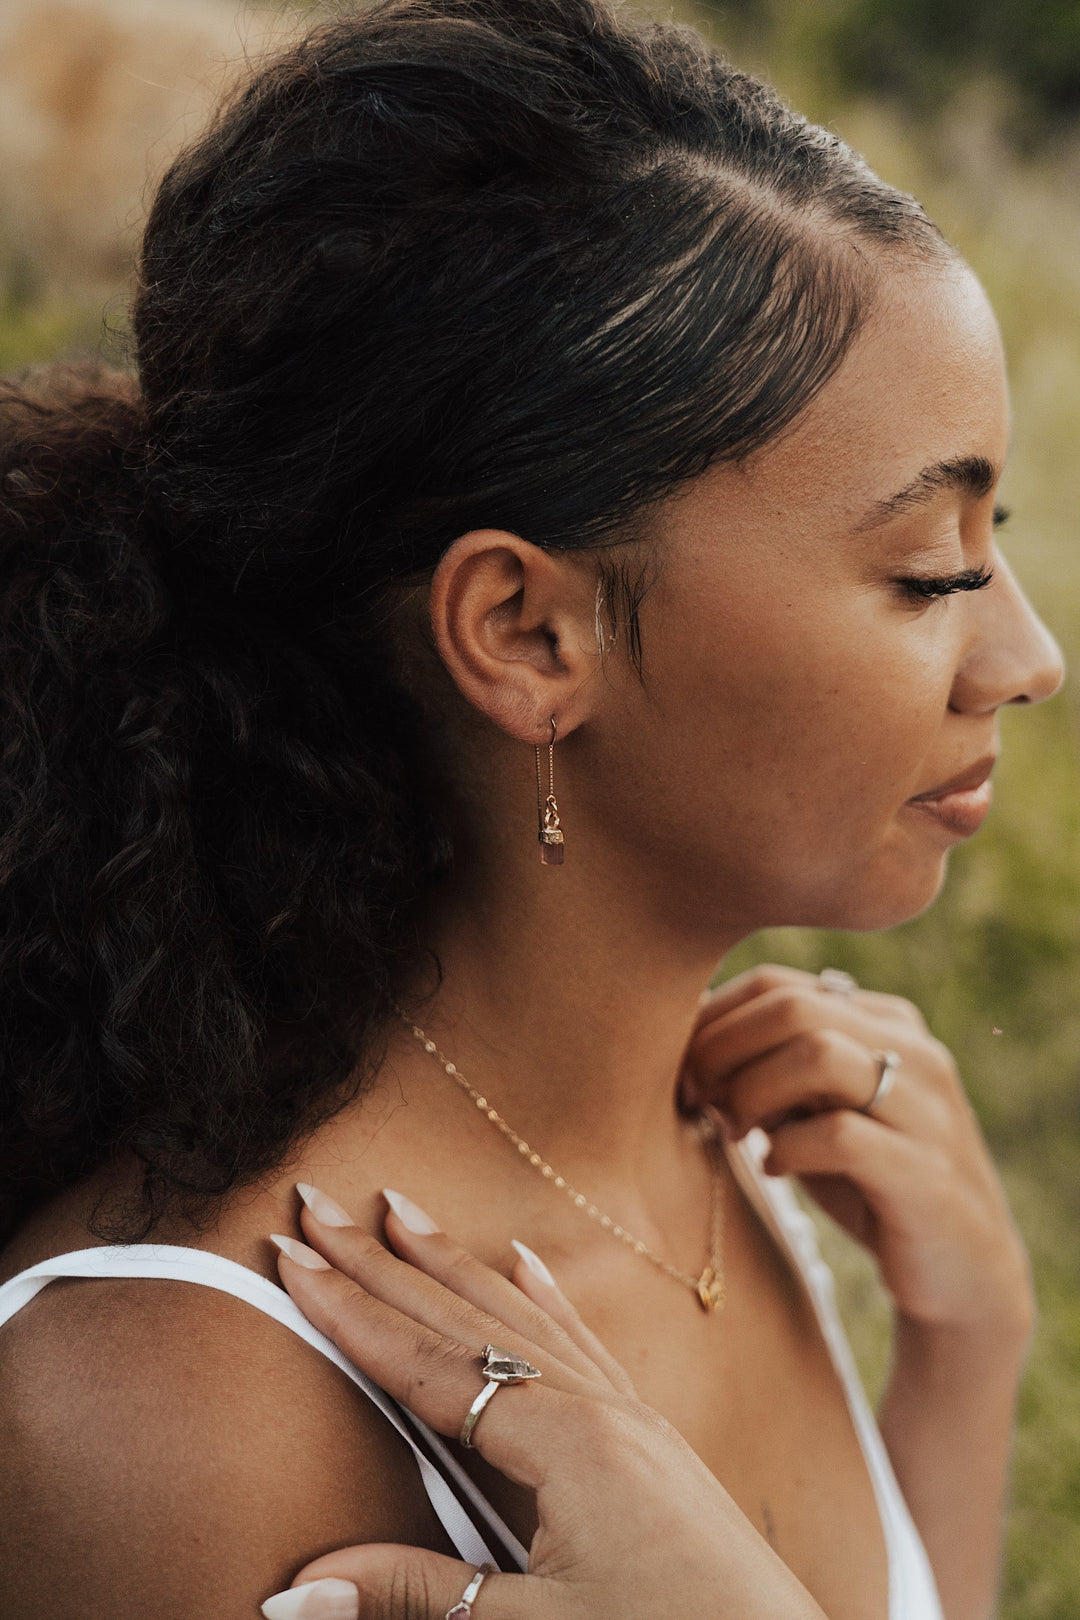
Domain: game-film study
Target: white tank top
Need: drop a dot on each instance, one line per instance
(472, 1524)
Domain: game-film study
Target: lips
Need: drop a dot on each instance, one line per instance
(973, 777)
(961, 804)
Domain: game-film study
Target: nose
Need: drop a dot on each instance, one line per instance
(1014, 659)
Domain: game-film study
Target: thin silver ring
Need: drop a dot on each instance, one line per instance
(835, 982)
(463, 1607)
(475, 1410)
(888, 1063)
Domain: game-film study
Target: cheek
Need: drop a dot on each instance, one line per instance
(758, 775)
(814, 725)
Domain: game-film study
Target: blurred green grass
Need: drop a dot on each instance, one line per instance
(1000, 950)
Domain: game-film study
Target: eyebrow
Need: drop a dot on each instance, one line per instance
(972, 475)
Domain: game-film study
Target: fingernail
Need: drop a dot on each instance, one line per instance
(322, 1206)
(315, 1600)
(409, 1214)
(302, 1255)
(704, 996)
(534, 1263)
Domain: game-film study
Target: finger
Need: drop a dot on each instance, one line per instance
(772, 1019)
(887, 1165)
(748, 986)
(892, 1009)
(459, 1270)
(815, 1072)
(524, 1429)
(548, 1319)
(845, 1203)
(383, 1582)
(751, 986)
(697, 1082)
(750, 1030)
(781, 1015)
(439, 1283)
(532, 1276)
(754, 1062)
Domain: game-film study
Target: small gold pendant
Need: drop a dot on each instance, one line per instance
(710, 1290)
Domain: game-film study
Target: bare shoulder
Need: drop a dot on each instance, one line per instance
(169, 1451)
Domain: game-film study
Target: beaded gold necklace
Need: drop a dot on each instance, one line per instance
(709, 1286)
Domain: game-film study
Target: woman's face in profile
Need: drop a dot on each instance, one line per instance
(800, 691)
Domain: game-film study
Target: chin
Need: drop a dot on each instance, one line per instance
(888, 906)
(870, 901)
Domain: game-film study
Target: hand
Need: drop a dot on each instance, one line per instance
(913, 1182)
(632, 1525)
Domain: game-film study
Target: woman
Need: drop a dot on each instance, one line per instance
(527, 404)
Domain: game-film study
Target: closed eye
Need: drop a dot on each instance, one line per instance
(927, 588)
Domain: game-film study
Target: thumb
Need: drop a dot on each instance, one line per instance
(379, 1582)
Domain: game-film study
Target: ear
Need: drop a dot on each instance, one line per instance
(515, 627)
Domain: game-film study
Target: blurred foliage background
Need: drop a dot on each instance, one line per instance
(974, 105)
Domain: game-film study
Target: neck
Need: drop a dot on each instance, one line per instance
(567, 1000)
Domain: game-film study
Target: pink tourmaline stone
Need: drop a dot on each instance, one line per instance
(551, 854)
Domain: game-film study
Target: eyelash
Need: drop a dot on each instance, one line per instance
(970, 579)
(930, 589)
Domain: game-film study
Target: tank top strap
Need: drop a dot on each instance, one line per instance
(476, 1530)
(913, 1591)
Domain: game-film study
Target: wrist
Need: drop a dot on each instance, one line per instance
(994, 1305)
(998, 1341)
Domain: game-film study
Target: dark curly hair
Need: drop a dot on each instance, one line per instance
(523, 264)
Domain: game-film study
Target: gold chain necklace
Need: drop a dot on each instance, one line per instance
(709, 1287)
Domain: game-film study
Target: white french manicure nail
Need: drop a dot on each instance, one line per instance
(534, 1263)
(301, 1254)
(409, 1214)
(322, 1206)
(315, 1600)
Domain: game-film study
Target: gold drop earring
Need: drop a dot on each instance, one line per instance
(550, 832)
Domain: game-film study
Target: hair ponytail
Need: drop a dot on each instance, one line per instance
(200, 847)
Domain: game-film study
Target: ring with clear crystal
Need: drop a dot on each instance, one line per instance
(499, 1367)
